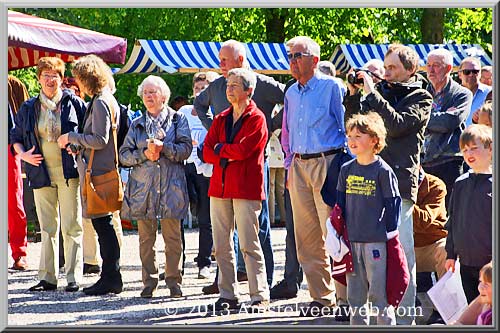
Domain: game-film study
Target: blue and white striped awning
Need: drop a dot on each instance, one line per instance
(153, 56)
(346, 56)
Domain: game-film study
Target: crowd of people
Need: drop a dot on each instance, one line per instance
(405, 159)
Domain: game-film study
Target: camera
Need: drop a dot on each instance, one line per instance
(353, 79)
(73, 148)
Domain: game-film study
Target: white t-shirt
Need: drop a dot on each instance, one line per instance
(198, 133)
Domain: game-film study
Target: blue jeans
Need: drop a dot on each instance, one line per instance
(264, 233)
(406, 238)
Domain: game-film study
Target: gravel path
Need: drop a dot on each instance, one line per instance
(69, 309)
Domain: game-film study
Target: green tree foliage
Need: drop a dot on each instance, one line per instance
(328, 26)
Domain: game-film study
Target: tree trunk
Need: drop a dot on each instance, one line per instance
(275, 25)
(432, 25)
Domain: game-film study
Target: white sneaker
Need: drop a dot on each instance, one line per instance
(204, 272)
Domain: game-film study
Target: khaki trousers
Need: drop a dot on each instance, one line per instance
(431, 258)
(90, 247)
(224, 213)
(171, 232)
(306, 178)
(59, 206)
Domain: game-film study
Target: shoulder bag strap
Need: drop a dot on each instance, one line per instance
(113, 126)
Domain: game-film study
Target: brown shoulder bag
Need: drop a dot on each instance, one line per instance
(103, 193)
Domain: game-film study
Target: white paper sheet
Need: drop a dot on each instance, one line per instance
(448, 296)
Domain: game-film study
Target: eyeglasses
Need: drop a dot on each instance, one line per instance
(49, 77)
(297, 55)
(469, 71)
(150, 92)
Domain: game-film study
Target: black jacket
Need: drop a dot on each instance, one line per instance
(26, 133)
(470, 225)
(405, 111)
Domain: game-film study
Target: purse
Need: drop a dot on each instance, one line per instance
(103, 193)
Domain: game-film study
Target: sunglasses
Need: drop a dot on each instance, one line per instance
(469, 71)
(297, 55)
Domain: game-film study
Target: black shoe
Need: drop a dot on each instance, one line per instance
(103, 287)
(342, 313)
(223, 304)
(175, 292)
(91, 269)
(43, 286)
(241, 276)
(93, 286)
(72, 287)
(315, 309)
(211, 289)
(282, 291)
(147, 292)
(435, 318)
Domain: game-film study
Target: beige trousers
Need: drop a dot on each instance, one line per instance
(277, 193)
(224, 213)
(171, 232)
(431, 258)
(90, 248)
(59, 206)
(306, 178)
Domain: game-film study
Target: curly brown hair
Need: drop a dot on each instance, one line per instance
(371, 124)
(92, 72)
(50, 64)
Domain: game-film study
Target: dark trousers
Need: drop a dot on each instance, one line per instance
(448, 172)
(293, 271)
(200, 185)
(470, 281)
(109, 248)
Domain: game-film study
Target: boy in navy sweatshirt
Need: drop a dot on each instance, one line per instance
(371, 204)
(470, 216)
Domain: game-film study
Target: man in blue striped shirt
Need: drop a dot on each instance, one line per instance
(312, 133)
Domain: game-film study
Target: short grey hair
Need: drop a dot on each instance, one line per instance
(309, 44)
(248, 78)
(239, 50)
(326, 67)
(444, 54)
(472, 60)
(157, 81)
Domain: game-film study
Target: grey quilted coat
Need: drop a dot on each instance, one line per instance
(156, 190)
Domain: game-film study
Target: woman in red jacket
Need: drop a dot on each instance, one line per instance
(235, 146)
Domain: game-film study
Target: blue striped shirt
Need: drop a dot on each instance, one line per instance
(313, 120)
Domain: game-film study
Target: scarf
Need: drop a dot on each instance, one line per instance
(154, 127)
(50, 104)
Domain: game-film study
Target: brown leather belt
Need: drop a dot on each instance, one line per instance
(316, 155)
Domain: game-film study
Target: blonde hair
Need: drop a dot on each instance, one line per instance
(50, 64)
(487, 108)
(371, 124)
(487, 272)
(475, 132)
(92, 72)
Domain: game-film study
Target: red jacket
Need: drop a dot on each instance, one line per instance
(243, 177)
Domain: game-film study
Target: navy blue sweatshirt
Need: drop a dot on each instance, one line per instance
(470, 222)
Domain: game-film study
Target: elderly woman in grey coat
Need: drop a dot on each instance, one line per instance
(155, 147)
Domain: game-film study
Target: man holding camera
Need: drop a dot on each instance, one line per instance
(405, 108)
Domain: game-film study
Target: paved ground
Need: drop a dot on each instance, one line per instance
(68, 309)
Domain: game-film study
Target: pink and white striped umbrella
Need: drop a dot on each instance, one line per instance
(31, 38)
